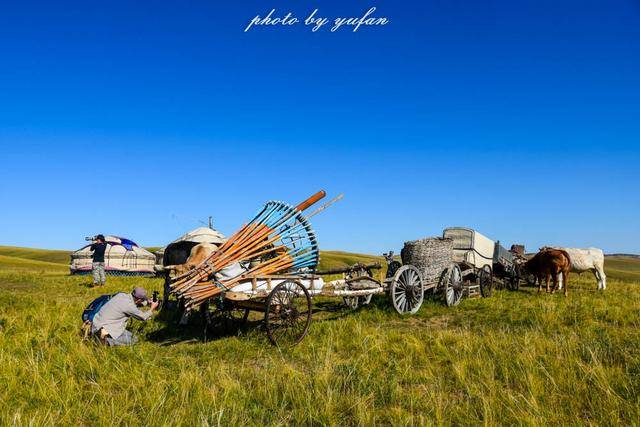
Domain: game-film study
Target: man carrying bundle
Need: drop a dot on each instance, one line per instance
(98, 248)
(110, 321)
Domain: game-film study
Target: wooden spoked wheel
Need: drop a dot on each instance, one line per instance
(406, 290)
(287, 314)
(223, 317)
(485, 280)
(451, 284)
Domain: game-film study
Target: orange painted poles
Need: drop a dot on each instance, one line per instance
(311, 200)
(253, 240)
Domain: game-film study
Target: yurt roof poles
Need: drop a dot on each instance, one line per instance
(279, 237)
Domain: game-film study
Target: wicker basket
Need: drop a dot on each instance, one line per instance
(430, 256)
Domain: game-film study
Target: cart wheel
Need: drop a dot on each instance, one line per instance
(223, 318)
(485, 279)
(406, 290)
(452, 285)
(237, 316)
(288, 314)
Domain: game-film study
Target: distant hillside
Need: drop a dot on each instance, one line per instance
(339, 259)
(624, 267)
(15, 256)
(47, 255)
(329, 259)
(16, 263)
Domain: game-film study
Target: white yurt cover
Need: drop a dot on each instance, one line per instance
(122, 257)
(202, 235)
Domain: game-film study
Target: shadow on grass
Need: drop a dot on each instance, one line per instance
(481, 312)
(172, 332)
(194, 331)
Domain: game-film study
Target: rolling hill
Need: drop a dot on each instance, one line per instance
(47, 255)
(623, 267)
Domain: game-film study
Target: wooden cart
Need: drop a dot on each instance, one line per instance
(505, 268)
(284, 301)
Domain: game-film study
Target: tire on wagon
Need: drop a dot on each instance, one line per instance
(452, 285)
(287, 313)
(407, 290)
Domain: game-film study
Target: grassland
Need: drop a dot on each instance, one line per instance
(515, 358)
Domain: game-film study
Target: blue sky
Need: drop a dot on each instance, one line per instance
(518, 118)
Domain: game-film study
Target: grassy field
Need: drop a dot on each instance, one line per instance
(515, 358)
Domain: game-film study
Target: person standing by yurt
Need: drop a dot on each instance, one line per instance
(98, 248)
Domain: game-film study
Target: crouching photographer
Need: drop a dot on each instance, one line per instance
(108, 315)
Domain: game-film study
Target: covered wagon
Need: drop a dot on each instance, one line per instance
(473, 256)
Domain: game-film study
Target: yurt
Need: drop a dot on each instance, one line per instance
(178, 251)
(123, 257)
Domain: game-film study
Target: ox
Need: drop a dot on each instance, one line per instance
(590, 259)
(549, 264)
(198, 253)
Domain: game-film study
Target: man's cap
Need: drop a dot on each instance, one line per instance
(100, 237)
(140, 293)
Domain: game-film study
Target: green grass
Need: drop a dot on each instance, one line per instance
(515, 358)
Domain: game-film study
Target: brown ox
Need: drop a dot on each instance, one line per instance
(198, 253)
(549, 264)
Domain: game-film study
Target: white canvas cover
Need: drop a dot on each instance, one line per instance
(470, 247)
(122, 256)
(230, 271)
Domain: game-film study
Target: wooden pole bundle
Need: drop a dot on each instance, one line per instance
(279, 236)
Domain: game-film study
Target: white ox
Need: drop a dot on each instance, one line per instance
(590, 259)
